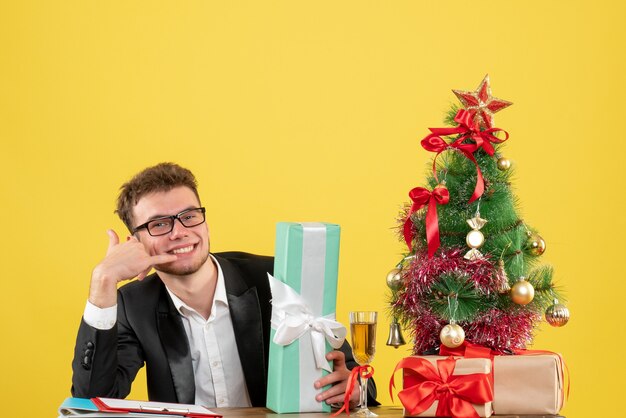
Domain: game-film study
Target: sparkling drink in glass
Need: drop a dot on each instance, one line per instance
(363, 331)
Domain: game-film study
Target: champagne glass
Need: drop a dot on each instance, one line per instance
(363, 330)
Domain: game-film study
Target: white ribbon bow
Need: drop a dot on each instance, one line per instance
(292, 318)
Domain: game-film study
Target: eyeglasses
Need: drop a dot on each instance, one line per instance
(161, 226)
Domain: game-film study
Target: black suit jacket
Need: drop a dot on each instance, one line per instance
(149, 330)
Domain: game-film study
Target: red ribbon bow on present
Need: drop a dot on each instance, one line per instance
(365, 372)
(482, 139)
(454, 393)
(422, 197)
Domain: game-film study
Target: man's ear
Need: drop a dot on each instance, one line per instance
(131, 235)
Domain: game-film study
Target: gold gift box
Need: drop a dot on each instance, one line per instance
(528, 384)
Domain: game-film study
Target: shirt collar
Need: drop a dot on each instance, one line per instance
(218, 297)
(220, 288)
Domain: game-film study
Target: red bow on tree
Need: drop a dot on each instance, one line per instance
(455, 394)
(422, 197)
(482, 139)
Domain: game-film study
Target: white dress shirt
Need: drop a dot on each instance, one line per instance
(218, 374)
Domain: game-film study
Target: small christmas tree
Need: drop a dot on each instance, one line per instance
(472, 270)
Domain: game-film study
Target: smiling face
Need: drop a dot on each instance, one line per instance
(191, 245)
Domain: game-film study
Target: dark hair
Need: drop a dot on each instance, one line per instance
(160, 178)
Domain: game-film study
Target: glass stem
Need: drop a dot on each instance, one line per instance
(363, 397)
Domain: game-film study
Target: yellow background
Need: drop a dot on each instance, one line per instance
(302, 111)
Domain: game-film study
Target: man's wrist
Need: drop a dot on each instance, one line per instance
(102, 290)
(100, 318)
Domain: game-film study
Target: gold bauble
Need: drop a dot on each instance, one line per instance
(474, 239)
(535, 244)
(557, 315)
(394, 279)
(504, 164)
(452, 335)
(522, 292)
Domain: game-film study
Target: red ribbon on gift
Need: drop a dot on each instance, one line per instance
(469, 350)
(455, 394)
(364, 372)
(422, 197)
(482, 139)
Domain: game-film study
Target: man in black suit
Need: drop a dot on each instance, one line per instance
(200, 323)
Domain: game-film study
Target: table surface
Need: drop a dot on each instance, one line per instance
(382, 411)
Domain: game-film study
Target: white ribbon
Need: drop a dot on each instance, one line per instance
(292, 318)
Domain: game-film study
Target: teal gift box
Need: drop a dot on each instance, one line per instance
(307, 261)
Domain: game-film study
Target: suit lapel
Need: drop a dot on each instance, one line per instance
(245, 312)
(176, 346)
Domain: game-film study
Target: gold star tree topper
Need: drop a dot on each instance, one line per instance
(481, 103)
